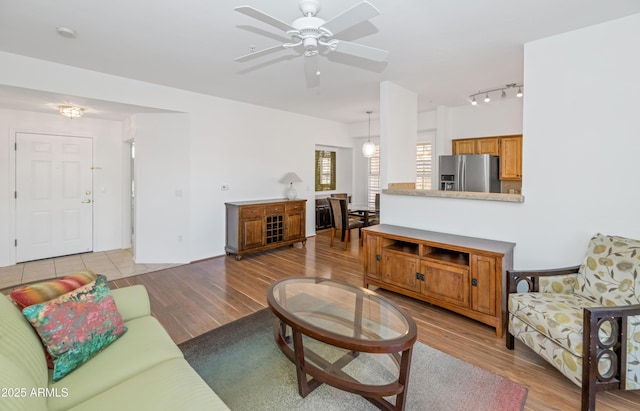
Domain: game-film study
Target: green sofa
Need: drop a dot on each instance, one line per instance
(142, 370)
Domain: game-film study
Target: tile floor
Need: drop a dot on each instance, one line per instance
(113, 264)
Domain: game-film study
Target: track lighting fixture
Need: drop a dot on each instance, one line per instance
(502, 90)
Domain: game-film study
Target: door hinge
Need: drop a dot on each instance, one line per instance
(15, 194)
(474, 282)
(15, 242)
(15, 146)
(420, 276)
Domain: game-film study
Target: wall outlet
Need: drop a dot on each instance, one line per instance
(224, 187)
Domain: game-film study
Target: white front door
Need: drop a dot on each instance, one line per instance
(54, 196)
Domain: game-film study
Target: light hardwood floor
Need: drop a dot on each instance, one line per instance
(192, 299)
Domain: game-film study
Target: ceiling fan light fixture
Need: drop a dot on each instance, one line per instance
(71, 111)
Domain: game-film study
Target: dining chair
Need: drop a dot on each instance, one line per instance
(340, 221)
(374, 217)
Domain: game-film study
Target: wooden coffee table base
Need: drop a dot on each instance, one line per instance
(333, 375)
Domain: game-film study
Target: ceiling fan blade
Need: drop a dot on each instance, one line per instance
(362, 11)
(268, 50)
(263, 17)
(358, 50)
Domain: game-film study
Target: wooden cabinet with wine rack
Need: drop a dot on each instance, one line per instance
(254, 226)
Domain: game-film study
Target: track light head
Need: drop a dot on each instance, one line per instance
(473, 101)
(487, 98)
(519, 93)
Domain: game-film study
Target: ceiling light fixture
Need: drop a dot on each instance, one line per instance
(369, 148)
(71, 111)
(66, 32)
(503, 93)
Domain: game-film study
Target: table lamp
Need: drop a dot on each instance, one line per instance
(291, 178)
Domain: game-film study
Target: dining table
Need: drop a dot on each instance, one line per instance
(362, 211)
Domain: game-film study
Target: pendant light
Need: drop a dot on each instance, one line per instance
(369, 148)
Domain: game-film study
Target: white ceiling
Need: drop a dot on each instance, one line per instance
(444, 50)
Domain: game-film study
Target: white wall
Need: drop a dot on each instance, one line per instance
(497, 118)
(398, 133)
(162, 188)
(107, 155)
(581, 142)
(244, 146)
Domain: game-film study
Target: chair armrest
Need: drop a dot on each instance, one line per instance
(132, 302)
(614, 324)
(531, 277)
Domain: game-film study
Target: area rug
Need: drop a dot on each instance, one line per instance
(244, 366)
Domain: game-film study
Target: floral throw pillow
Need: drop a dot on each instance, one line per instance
(77, 325)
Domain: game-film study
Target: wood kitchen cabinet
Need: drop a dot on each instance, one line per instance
(462, 274)
(253, 226)
(464, 146)
(511, 158)
(489, 145)
(509, 148)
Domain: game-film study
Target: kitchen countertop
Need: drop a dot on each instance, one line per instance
(467, 195)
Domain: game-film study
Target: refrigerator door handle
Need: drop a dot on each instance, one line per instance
(461, 174)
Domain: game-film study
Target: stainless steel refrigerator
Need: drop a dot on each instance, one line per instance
(470, 172)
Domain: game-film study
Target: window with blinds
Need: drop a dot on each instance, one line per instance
(423, 166)
(373, 182)
(325, 170)
(423, 171)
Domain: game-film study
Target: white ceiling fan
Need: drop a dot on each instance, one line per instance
(315, 35)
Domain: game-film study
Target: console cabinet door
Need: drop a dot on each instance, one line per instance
(370, 246)
(252, 232)
(400, 270)
(483, 284)
(295, 221)
(447, 283)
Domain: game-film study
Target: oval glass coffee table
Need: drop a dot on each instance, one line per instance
(348, 337)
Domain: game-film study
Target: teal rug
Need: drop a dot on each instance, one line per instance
(243, 365)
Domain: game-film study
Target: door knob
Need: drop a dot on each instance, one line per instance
(87, 192)
(87, 201)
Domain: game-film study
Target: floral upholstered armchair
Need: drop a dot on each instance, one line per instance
(584, 320)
